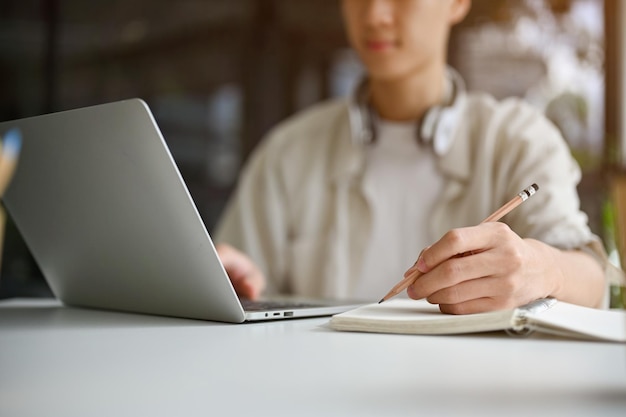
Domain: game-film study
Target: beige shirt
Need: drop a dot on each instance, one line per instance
(301, 213)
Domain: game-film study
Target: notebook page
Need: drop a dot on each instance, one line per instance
(577, 321)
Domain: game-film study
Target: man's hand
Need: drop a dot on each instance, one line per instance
(245, 276)
(489, 267)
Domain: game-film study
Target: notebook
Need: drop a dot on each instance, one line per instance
(546, 315)
(103, 208)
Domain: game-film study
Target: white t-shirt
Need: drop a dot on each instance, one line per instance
(401, 181)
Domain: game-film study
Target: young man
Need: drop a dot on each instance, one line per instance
(340, 200)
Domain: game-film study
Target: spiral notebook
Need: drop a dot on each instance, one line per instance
(545, 316)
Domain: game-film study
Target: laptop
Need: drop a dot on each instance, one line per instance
(101, 204)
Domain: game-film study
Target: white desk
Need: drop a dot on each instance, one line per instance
(57, 361)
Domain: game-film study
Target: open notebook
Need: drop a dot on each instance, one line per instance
(545, 315)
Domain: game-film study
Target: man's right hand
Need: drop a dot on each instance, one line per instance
(246, 277)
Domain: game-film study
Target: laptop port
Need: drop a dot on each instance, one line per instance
(288, 313)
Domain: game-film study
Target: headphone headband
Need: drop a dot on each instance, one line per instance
(434, 127)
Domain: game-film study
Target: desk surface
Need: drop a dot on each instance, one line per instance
(64, 361)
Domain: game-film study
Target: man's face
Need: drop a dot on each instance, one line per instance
(396, 38)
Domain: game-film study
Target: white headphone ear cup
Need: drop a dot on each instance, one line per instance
(445, 129)
(438, 123)
(427, 127)
(359, 115)
(366, 133)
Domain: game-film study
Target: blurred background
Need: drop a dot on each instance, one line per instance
(219, 73)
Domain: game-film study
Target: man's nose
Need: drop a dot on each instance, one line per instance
(379, 12)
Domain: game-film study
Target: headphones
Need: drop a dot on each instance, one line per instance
(435, 127)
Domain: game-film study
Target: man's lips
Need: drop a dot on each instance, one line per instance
(379, 45)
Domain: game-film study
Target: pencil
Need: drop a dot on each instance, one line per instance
(494, 217)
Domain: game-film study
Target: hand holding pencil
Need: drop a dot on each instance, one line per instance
(414, 273)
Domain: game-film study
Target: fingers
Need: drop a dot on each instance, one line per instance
(475, 269)
(477, 295)
(478, 305)
(245, 276)
(451, 273)
(501, 290)
(250, 285)
(462, 241)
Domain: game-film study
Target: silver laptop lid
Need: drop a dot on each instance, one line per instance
(108, 217)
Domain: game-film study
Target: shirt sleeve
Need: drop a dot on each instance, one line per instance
(539, 154)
